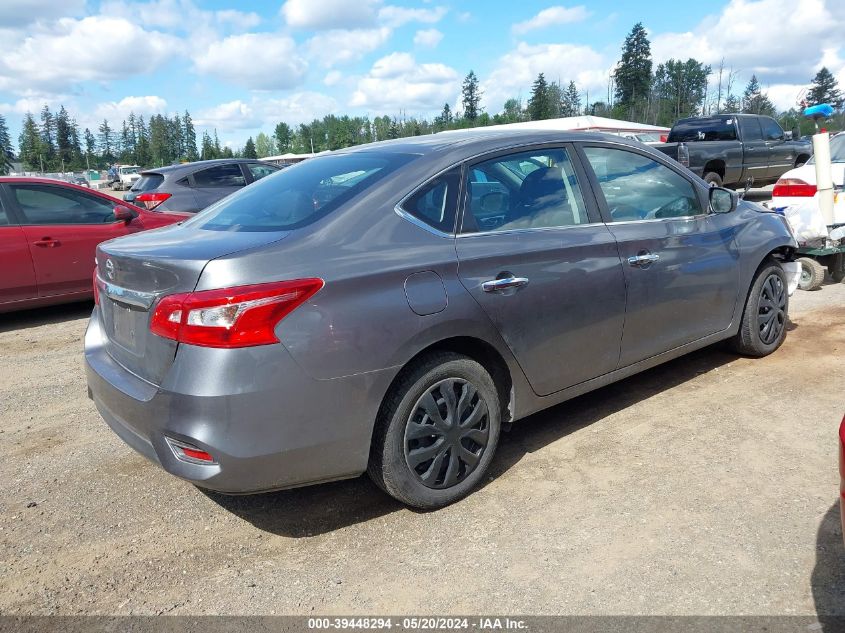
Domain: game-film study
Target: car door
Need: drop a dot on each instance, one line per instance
(534, 254)
(755, 152)
(781, 153)
(17, 274)
(680, 262)
(62, 227)
(214, 183)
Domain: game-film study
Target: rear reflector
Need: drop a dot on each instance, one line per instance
(243, 316)
(187, 453)
(151, 200)
(793, 188)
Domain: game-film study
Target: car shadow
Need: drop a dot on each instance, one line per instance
(49, 315)
(828, 577)
(315, 510)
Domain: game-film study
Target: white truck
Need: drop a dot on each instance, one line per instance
(124, 176)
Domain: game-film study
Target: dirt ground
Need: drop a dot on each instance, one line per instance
(705, 486)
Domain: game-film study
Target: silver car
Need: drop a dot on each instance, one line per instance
(390, 308)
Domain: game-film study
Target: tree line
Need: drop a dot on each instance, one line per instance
(637, 91)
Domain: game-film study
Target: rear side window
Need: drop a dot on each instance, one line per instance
(750, 127)
(148, 182)
(715, 129)
(220, 176)
(299, 195)
(435, 203)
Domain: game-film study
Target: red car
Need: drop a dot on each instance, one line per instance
(48, 233)
(842, 475)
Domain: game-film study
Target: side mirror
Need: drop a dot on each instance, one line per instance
(787, 135)
(123, 214)
(722, 200)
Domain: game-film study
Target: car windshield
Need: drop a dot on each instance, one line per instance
(299, 195)
(837, 150)
(129, 170)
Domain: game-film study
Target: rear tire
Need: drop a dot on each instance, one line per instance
(437, 432)
(713, 179)
(812, 273)
(766, 313)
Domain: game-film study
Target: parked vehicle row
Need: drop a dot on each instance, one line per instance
(388, 308)
(730, 149)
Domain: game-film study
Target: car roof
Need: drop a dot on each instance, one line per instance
(481, 139)
(197, 165)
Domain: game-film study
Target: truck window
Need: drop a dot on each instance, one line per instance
(707, 129)
(750, 127)
(771, 130)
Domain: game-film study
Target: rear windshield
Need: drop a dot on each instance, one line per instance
(148, 182)
(299, 195)
(837, 150)
(721, 129)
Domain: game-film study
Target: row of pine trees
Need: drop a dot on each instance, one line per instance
(637, 91)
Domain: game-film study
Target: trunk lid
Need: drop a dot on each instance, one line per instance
(139, 269)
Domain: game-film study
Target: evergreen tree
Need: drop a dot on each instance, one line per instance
(6, 154)
(284, 138)
(90, 148)
(217, 150)
(265, 146)
(64, 143)
(29, 143)
(106, 142)
(471, 97)
(249, 149)
(732, 104)
(190, 137)
(571, 102)
(755, 101)
(555, 99)
(679, 89)
(633, 73)
(540, 105)
(512, 111)
(48, 137)
(207, 151)
(77, 159)
(445, 119)
(825, 89)
(143, 155)
(127, 154)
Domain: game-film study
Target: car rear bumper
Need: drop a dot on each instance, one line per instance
(264, 421)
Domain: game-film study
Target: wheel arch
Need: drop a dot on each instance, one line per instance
(716, 165)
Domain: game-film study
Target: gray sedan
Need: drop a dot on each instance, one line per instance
(389, 308)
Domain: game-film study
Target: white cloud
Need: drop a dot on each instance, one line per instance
(237, 20)
(333, 78)
(429, 38)
(398, 82)
(516, 71)
(394, 16)
(782, 50)
(266, 112)
(335, 47)
(95, 48)
(329, 14)
(119, 110)
(259, 61)
(551, 17)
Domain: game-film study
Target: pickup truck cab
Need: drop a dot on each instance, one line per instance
(728, 149)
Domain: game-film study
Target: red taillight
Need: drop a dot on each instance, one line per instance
(151, 200)
(664, 138)
(793, 188)
(242, 316)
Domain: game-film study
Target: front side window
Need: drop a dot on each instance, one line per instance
(220, 176)
(43, 204)
(301, 194)
(259, 171)
(636, 187)
(435, 203)
(526, 190)
(771, 130)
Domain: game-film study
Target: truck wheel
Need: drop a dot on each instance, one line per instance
(836, 267)
(812, 273)
(713, 179)
(764, 319)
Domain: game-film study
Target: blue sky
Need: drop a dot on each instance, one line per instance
(242, 67)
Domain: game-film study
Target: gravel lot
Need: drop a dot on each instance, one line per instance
(705, 486)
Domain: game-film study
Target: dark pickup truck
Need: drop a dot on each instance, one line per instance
(728, 149)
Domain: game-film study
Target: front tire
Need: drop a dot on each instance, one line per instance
(764, 319)
(713, 179)
(437, 432)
